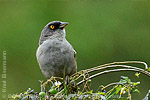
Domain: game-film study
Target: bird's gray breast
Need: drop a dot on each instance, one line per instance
(54, 54)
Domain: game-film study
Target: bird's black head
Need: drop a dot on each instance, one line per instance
(54, 28)
(54, 25)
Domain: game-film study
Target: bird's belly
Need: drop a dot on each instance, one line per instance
(53, 58)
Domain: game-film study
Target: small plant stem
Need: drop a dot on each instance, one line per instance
(109, 85)
(116, 63)
(129, 95)
(115, 70)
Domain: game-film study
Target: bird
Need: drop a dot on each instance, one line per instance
(55, 55)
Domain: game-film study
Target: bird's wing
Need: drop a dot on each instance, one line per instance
(74, 53)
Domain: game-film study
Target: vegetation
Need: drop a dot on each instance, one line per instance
(78, 86)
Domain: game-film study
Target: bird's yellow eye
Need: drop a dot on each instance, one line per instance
(52, 26)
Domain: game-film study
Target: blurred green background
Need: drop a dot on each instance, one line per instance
(100, 31)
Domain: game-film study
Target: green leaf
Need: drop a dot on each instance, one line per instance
(101, 93)
(89, 92)
(136, 83)
(118, 89)
(122, 81)
(53, 90)
(136, 90)
(129, 80)
(148, 69)
(42, 94)
(137, 74)
(124, 77)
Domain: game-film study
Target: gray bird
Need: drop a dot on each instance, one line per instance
(55, 53)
